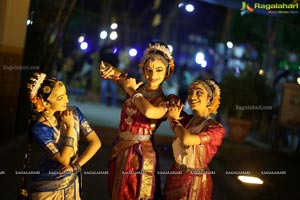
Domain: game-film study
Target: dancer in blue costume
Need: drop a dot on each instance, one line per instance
(57, 128)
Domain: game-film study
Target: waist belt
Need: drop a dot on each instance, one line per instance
(126, 135)
(184, 168)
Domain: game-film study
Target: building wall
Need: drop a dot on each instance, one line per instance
(13, 17)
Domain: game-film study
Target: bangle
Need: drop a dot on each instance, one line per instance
(136, 95)
(76, 167)
(68, 141)
(174, 123)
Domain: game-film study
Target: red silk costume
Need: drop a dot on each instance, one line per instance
(133, 161)
(189, 177)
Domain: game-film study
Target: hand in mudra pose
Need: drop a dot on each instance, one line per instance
(107, 71)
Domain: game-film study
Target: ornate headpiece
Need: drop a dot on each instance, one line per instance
(42, 89)
(156, 46)
(37, 80)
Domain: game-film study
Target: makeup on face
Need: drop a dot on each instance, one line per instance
(60, 100)
(197, 96)
(154, 72)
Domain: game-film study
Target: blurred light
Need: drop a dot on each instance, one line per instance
(298, 80)
(84, 45)
(203, 64)
(156, 4)
(237, 70)
(211, 51)
(114, 26)
(170, 48)
(292, 57)
(103, 35)
(29, 22)
(132, 52)
(286, 67)
(229, 44)
(156, 20)
(250, 179)
(115, 49)
(238, 51)
(180, 5)
(113, 35)
(261, 72)
(189, 8)
(199, 57)
(81, 39)
(165, 148)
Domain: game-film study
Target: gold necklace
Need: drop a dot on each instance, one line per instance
(50, 119)
(56, 131)
(152, 93)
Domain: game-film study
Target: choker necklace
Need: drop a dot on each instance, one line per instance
(151, 94)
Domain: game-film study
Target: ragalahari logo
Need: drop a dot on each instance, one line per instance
(271, 8)
(246, 8)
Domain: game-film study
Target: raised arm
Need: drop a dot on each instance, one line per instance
(175, 108)
(64, 156)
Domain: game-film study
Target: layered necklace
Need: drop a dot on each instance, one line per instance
(151, 94)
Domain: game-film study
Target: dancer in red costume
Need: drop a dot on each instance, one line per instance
(133, 161)
(197, 139)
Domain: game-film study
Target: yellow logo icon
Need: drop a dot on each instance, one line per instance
(246, 8)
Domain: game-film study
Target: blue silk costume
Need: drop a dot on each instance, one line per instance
(49, 180)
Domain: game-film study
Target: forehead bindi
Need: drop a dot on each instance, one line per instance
(155, 64)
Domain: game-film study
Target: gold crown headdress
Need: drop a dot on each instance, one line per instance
(159, 47)
(37, 81)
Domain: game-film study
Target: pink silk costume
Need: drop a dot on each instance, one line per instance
(189, 177)
(133, 160)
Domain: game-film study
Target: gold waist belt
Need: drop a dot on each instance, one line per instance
(184, 168)
(126, 135)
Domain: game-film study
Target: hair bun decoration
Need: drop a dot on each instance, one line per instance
(36, 82)
(46, 89)
(215, 103)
